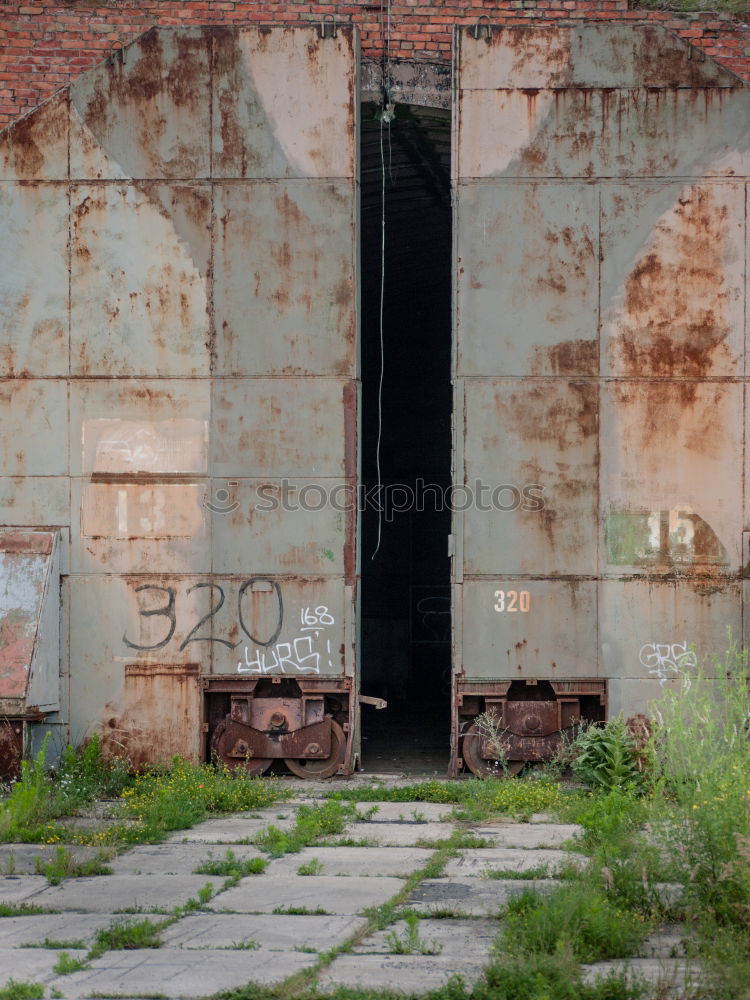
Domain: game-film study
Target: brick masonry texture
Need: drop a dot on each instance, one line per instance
(45, 45)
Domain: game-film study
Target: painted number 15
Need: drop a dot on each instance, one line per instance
(512, 600)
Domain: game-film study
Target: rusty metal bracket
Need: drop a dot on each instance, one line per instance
(365, 699)
(487, 27)
(328, 20)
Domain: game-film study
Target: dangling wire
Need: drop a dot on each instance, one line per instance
(386, 116)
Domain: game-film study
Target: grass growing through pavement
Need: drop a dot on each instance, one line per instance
(475, 800)
(411, 942)
(574, 919)
(23, 910)
(312, 824)
(530, 874)
(68, 963)
(230, 866)
(151, 805)
(312, 867)
(14, 990)
(65, 865)
(126, 935)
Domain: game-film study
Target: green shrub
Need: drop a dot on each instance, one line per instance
(606, 757)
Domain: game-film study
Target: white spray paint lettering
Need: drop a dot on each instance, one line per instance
(302, 654)
(665, 660)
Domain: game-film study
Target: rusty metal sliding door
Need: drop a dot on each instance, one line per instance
(180, 376)
(600, 177)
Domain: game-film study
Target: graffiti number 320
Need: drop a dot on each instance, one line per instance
(512, 600)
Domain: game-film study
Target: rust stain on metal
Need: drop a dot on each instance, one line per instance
(569, 357)
(674, 318)
(157, 716)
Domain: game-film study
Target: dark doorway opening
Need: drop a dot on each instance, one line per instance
(405, 600)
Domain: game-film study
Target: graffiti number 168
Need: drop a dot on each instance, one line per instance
(512, 600)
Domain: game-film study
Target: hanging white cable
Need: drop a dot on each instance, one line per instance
(382, 342)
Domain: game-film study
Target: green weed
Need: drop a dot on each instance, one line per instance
(126, 935)
(14, 990)
(65, 865)
(410, 943)
(313, 823)
(477, 799)
(204, 897)
(540, 977)
(311, 867)
(68, 963)
(23, 910)
(577, 919)
(52, 944)
(160, 800)
(607, 757)
(231, 866)
(538, 871)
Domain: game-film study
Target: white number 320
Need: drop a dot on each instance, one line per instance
(512, 600)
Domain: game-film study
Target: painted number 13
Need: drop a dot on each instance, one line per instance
(512, 600)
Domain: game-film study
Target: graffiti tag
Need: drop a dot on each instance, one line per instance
(301, 654)
(665, 660)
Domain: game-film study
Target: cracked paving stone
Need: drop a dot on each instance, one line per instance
(335, 895)
(474, 897)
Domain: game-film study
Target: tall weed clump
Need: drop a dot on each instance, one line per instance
(702, 760)
(30, 804)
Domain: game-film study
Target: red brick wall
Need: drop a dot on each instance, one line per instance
(45, 44)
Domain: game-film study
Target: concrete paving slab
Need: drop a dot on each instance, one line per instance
(176, 859)
(667, 942)
(21, 859)
(404, 973)
(17, 931)
(334, 895)
(21, 888)
(397, 861)
(232, 829)
(30, 964)
(271, 931)
(183, 973)
(118, 893)
(471, 896)
(669, 977)
(399, 834)
(528, 835)
(448, 938)
(478, 863)
(405, 812)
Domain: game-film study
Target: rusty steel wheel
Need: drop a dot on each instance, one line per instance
(222, 745)
(478, 765)
(317, 770)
